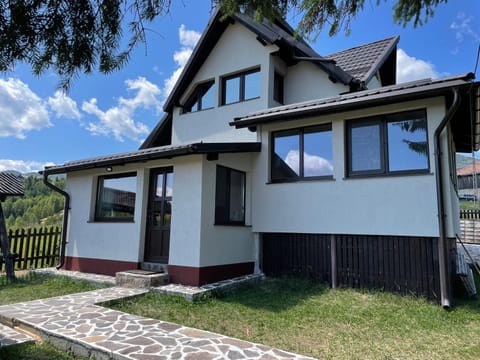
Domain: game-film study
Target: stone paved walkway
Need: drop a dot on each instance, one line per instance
(75, 323)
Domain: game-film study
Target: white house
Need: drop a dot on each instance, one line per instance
(273, 158)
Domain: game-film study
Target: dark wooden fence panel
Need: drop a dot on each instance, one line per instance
(35, 248)
(297, 254)
(408, 265)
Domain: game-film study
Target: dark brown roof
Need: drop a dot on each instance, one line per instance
(362, 62)
(10, 185)
(161, 152)
(461, 126)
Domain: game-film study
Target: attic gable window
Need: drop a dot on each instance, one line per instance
(241, 86)
(202, 98)
(388, 144)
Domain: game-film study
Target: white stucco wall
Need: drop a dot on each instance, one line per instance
(101, 240)
(186, 211)
(224, 244)
(306, 81)
(229, 56)
(391, 205)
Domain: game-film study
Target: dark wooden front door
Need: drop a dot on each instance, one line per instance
(157, 237)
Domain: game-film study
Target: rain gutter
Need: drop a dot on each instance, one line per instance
(443, 258)
(66, 208)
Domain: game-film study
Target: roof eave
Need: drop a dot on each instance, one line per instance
(151, 154)
(346, 105)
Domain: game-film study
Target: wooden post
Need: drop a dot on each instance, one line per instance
(333, 260)
(5, 244)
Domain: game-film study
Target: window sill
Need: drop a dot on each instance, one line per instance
(398, 174)
(233, 225)
(198, 111)
(301, 180)
(240, 101)
(116, 221)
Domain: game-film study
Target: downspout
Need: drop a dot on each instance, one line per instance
(445, 285)
(66, 208)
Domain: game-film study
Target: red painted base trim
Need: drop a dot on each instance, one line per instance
(97, 266)
(197, 276)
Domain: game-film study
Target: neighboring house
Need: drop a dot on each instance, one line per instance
(468, 183)
(273, 158)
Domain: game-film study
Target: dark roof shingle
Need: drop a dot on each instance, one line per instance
(363, 61)
(10, 185)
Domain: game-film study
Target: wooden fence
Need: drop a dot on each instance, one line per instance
(403, 264)
(34, 248)
(470, 225)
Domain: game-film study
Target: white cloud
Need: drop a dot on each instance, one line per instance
(313, 165)
(22, 166)
(410, 68)
(21, 110)
(463, 28)
(118, 120)
(64, 106)
(188, 40)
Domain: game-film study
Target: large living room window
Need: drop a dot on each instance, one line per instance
(241, 86)
(388, 144)
(304, 153)
(229, 197)
(116, 197)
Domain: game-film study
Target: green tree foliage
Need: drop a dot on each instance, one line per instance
(39, 207)
(72, 37)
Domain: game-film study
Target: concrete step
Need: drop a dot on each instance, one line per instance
(9, 336)
(157, 267)
(141, 279)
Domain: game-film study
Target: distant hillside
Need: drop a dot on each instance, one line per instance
(40, 206)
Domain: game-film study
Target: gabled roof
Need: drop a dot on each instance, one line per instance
(160, 135)
(461, 125)
(363, 62)
(10, 185)
(277, 32)
(160, 152)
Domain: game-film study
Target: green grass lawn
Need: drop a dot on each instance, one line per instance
(309, 318)
(31, 287)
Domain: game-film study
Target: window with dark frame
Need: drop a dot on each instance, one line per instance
(202, 98)
(388, 144)
(278, 87)
(116, 197)
(241, 87)
(303, 153)
(229, 196)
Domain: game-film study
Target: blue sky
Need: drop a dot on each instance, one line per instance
(114, 113)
